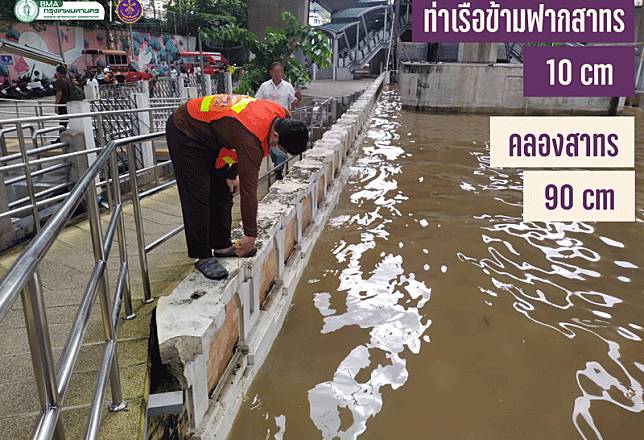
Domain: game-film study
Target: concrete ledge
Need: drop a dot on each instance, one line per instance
(214, 336)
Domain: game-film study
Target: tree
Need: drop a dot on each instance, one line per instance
(279, 45)
(209, 15)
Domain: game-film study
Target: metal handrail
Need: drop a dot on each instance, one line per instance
(23, 277)
(17, 276)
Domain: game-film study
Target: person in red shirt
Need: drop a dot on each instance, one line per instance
(217, 145)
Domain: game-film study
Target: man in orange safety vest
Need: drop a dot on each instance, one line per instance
(217, 144)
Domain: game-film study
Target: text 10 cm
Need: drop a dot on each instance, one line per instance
(561, 73)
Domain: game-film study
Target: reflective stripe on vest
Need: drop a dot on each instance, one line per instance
(226, 157)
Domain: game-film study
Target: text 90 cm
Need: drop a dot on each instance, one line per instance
(597, 199)
(561, 73)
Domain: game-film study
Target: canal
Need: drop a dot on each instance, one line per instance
(429, 310)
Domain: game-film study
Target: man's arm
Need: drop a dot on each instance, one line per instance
(249, 160)
(292, 98)
(59, 91)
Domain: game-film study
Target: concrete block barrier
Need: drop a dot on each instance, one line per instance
(214, 336)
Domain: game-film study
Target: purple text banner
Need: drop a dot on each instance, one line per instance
(578, 71)
(523, 21)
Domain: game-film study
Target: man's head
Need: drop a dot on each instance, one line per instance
(290, 135)
(277, 72)
(61, 71)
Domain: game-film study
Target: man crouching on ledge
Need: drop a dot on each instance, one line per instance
(217, 144)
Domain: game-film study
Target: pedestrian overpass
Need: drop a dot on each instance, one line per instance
(361, 35)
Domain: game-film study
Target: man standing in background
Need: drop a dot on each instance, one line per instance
(281, 91)
(63, 88)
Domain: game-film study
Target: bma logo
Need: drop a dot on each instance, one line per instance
(129, 11)
(51, 3)
(26, 10)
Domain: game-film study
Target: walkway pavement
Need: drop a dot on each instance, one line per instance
(64, 274)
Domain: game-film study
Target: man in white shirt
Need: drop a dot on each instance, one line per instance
(281, 91)
(174, 81)
(92, 81)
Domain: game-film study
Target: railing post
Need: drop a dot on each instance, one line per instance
(140, 234)
(335, 58)
(105, 298)
(120, 230)
(142, 100)
(229, 81)
(7, 231)
(42, 357)
(143, 87)
(75, 142)
(181, 85)
(208, 84)
(28, 179)
(83, 124)
(334, 110)
(189, 92)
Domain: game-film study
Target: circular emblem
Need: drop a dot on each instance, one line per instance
(26, 10)
(129, 11)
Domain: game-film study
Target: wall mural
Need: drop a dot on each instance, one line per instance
(146, 50)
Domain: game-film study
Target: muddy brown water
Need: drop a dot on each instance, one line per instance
(429, 310)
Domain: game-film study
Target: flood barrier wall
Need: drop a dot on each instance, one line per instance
(213, 336)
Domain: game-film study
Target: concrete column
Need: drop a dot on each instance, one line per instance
(181, 86)
(335, 58)
(208, 83)
(144, 87)
(189, 93)
(357, 41)
(385, 23)
(75, 140)
(229, 82)
(145, 124)
(7, 231)
(83, 125)
(477, 53)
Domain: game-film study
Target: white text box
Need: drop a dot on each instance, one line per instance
(562, 142)
(601, 196)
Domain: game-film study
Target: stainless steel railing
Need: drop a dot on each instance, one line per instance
(22, 280)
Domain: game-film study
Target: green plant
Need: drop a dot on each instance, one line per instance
(279, 45)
